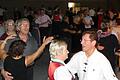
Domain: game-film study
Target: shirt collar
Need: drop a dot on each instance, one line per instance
(92, 56)
(58, 60)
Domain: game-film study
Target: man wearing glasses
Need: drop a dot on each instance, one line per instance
(90, 64)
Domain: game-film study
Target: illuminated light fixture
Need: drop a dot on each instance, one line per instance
(71, 4)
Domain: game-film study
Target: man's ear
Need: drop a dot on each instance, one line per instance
(94, 43)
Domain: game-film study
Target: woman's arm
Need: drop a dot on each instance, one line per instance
(5, 41)
(29, 59)
(2, 54)
(2, 45)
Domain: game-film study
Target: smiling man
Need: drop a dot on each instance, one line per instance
(90, 64)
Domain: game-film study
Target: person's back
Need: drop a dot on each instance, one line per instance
(16, 67)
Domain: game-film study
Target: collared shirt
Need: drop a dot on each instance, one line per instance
(61, 73)
(31, 45)
(96, 67)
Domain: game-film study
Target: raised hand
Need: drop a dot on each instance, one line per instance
(47, 40)
(11, 37)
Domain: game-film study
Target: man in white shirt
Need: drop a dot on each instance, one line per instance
(90, 64)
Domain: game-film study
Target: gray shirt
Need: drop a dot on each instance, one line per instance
(31, 46)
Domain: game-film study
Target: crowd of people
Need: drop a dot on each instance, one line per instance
(91, 38)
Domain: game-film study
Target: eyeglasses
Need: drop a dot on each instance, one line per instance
(85, 40)
(10, 24)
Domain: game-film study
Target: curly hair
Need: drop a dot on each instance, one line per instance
(16, 48)
(56, 47)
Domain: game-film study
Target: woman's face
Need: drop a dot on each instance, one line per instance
(10, 26)
(65, 53)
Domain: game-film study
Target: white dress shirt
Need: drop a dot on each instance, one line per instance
(96, 67)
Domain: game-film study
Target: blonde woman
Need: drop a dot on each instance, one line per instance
(58, 53)
(9, 29)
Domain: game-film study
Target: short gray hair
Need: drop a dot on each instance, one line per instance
(56, 47)
(18, 23)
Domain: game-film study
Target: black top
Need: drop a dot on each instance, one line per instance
(16, 67)
(110, 44)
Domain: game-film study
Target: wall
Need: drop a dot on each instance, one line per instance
(61, 3)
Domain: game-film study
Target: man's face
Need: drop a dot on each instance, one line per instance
(86, 43)
(24, 28)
